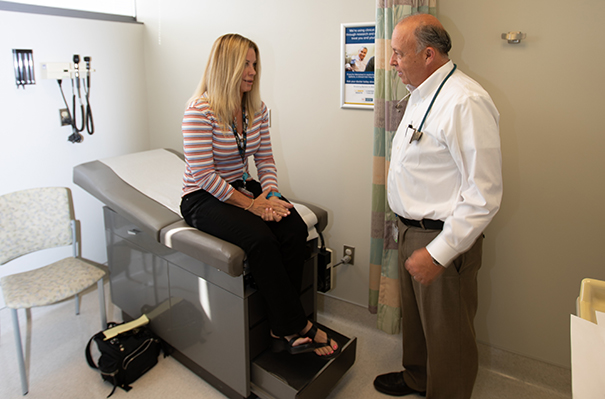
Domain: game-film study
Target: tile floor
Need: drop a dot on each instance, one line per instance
(58, 369)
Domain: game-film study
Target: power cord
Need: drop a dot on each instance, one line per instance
(75, 137)
(345, 260)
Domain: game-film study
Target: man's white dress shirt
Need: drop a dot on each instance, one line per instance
(454, 172)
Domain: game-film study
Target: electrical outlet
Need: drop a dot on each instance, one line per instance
(65, 118)
(350, 251)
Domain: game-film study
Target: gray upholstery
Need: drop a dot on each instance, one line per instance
(160, 222)
(100, 181)
(212, 251)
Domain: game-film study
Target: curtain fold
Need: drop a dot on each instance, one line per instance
(384, 297)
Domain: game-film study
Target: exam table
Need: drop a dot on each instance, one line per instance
(195, 288)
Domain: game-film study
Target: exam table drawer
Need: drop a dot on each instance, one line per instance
(124, 228)
(304, 376)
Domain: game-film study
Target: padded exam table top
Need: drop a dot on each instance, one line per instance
(145, 188)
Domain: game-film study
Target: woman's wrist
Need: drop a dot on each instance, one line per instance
(250, 206)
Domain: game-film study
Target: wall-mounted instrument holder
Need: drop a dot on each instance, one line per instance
(514, 37)
(79, 73)
(23, 61)
(63, 70)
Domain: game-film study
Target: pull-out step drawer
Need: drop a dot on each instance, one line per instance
(304, 376)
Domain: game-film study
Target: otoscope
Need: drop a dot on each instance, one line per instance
(77, 81)
(90, 125)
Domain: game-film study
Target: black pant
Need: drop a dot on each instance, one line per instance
(275, 251)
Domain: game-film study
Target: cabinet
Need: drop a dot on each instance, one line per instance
(215, 323)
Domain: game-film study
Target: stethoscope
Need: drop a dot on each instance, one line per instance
(417, 133)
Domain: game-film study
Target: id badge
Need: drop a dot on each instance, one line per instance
(416, 134)
(245, 192)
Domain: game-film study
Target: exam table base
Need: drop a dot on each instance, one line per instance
(215, 323)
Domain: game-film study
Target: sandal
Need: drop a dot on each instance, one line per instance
(313, 332)
(280, 344)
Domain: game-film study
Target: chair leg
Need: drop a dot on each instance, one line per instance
(77, 304)
(102, 304)
(20, 358)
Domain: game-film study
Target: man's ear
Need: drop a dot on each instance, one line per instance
(429, 55)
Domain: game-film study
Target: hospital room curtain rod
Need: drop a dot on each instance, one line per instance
(64, 12)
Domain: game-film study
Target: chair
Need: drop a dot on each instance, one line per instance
(32, 220)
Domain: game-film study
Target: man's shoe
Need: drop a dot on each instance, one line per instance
(394, 385)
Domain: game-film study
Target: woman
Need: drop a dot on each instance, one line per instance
(225, 123)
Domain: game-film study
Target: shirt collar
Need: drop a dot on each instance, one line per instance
(430, 85)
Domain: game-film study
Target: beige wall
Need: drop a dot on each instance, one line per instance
(549, 91)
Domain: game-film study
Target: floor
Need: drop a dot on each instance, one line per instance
(56, 339)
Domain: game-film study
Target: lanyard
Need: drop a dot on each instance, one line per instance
(418, 133)
(241, 143)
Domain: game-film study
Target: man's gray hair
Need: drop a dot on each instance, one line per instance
(432, 36)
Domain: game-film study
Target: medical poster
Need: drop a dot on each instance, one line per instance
(357, 65)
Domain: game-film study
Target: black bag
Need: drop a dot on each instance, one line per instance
(125, 357)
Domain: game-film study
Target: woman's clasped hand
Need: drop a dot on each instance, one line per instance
(272, 209)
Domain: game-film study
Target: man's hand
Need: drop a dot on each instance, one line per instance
(421, 267)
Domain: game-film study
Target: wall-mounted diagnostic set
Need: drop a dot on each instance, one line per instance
(79, 72)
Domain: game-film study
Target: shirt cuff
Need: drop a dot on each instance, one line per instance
(440, 250)
(269, 185)
(227, 194)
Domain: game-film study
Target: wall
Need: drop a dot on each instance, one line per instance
(543, 241)
(323, 152)
(34, 150)
(546, 237)
(539, 247)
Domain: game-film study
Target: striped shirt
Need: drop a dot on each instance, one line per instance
(211, 153)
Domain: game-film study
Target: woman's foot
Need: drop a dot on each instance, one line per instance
(325, 346)
(293, 344)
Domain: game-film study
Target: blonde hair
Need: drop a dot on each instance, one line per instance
(223, 76)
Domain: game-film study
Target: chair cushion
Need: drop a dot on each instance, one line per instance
(49, 284)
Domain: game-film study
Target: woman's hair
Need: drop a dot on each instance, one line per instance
(223, 76)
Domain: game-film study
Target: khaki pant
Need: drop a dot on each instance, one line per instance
(439, 347)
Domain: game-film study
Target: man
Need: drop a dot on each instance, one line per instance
(445, 185)
(357, 63)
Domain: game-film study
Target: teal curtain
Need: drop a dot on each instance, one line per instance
(384, 275)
